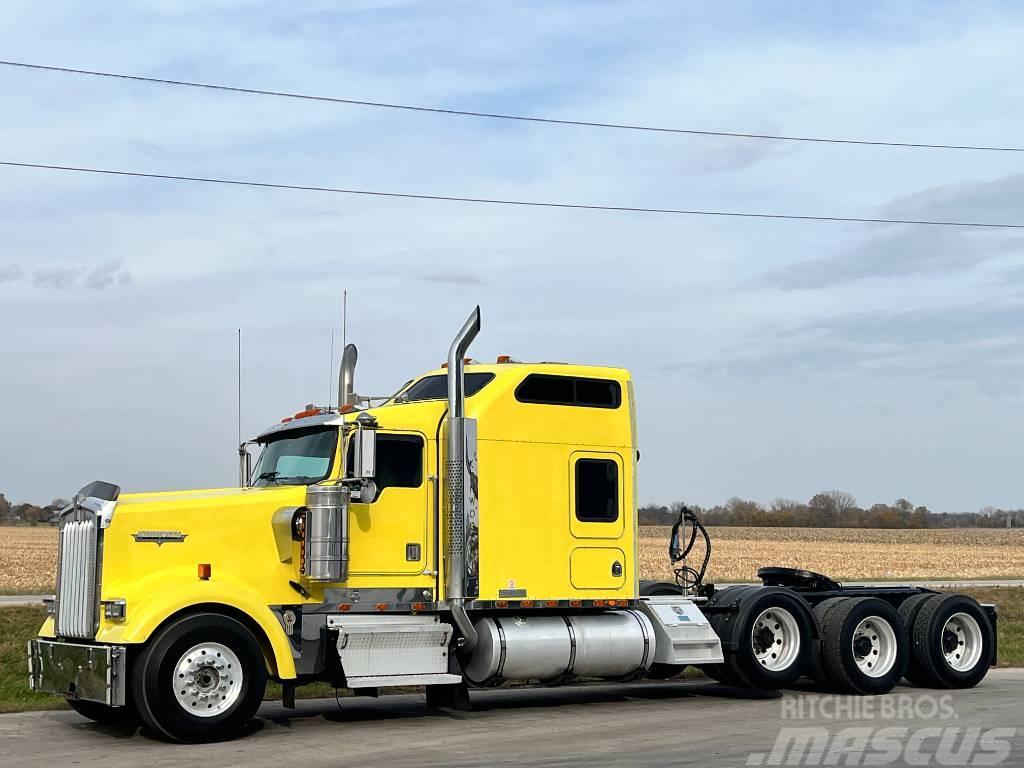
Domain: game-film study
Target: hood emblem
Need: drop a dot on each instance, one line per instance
(159, 537)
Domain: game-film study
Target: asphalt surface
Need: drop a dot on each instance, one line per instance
(649, 724)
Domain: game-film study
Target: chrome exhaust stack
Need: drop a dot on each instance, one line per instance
(462, 533)
(346, 376)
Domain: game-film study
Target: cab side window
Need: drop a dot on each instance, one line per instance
(597, 491)
(399, 461)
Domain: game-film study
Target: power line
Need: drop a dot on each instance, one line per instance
(499, 201)
(502, 116)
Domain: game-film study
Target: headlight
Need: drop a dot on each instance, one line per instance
(115, 610)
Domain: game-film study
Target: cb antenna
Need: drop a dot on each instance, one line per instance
(239, 386)
(330, 374)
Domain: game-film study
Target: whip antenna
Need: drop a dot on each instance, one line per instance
(330, 375)
(239, 386)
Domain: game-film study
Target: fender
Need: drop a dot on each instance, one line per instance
(152, 603)
(727, 610)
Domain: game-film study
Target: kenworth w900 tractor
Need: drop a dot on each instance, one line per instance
(478, 528)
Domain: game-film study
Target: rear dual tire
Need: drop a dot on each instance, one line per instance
(773, 642)
(864, 646)
(952, 640)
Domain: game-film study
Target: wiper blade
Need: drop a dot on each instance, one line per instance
(270, 477)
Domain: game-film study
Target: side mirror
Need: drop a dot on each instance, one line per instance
(364, 451)
(244, 465)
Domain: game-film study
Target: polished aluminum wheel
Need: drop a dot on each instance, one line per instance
(962, 642)
(875, 647)
(207, 679)
(775, 637)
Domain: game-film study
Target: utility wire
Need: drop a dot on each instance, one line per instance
(497, 201)
(502, 116)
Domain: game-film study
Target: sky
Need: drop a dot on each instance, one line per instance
(771, 358)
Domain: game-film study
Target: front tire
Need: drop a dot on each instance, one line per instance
(200, 680)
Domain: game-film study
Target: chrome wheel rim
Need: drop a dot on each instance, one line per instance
(207, 679)
(962, 642)
(874, 646)
(775, 638)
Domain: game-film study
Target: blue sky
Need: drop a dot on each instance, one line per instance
(772, 358)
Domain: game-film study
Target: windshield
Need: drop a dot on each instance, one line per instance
(301, 457)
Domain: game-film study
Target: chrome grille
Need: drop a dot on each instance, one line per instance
(76, 577)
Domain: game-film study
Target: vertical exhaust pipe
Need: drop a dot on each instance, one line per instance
(462, 577)
(346, 376)
(456, 365)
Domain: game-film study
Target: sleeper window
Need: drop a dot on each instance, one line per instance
(545, 389)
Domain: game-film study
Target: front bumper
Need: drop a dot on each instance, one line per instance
(78, 671)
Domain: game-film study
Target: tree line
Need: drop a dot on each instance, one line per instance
(828, 509)
(29, 514)
(833, 509)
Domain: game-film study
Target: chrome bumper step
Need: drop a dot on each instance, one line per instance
(77, 671)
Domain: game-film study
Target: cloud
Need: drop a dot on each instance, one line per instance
(97, 278)
(452, 278)
(905, 250)
(731, 155)
(106, 275)
(55, 277)
(11, 273)
(978, 343)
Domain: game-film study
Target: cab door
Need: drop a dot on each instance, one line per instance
(597, 521)
(389, 535)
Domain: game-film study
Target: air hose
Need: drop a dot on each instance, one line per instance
(688, 578)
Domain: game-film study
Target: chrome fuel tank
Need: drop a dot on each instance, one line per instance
(548, 648)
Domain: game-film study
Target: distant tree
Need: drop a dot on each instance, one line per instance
(53, 509)
(744, 512)
(919, 517)
(32, 514)
(6, 517)
(786, 512)
(829, 507)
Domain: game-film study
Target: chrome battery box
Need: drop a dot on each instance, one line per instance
(78, 671)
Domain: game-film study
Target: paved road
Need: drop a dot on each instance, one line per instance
(6, 600)
(649, 724)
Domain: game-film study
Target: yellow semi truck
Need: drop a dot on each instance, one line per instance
(477, 528)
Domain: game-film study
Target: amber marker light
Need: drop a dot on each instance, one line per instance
(205, 571)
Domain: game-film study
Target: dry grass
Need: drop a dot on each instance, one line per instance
(848, 553)
(28, 559)
(28, 555)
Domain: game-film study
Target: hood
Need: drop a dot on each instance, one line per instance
(284, 495)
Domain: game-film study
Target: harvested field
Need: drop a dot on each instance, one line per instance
(28, 559)
(28, 555)
(848, 553)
